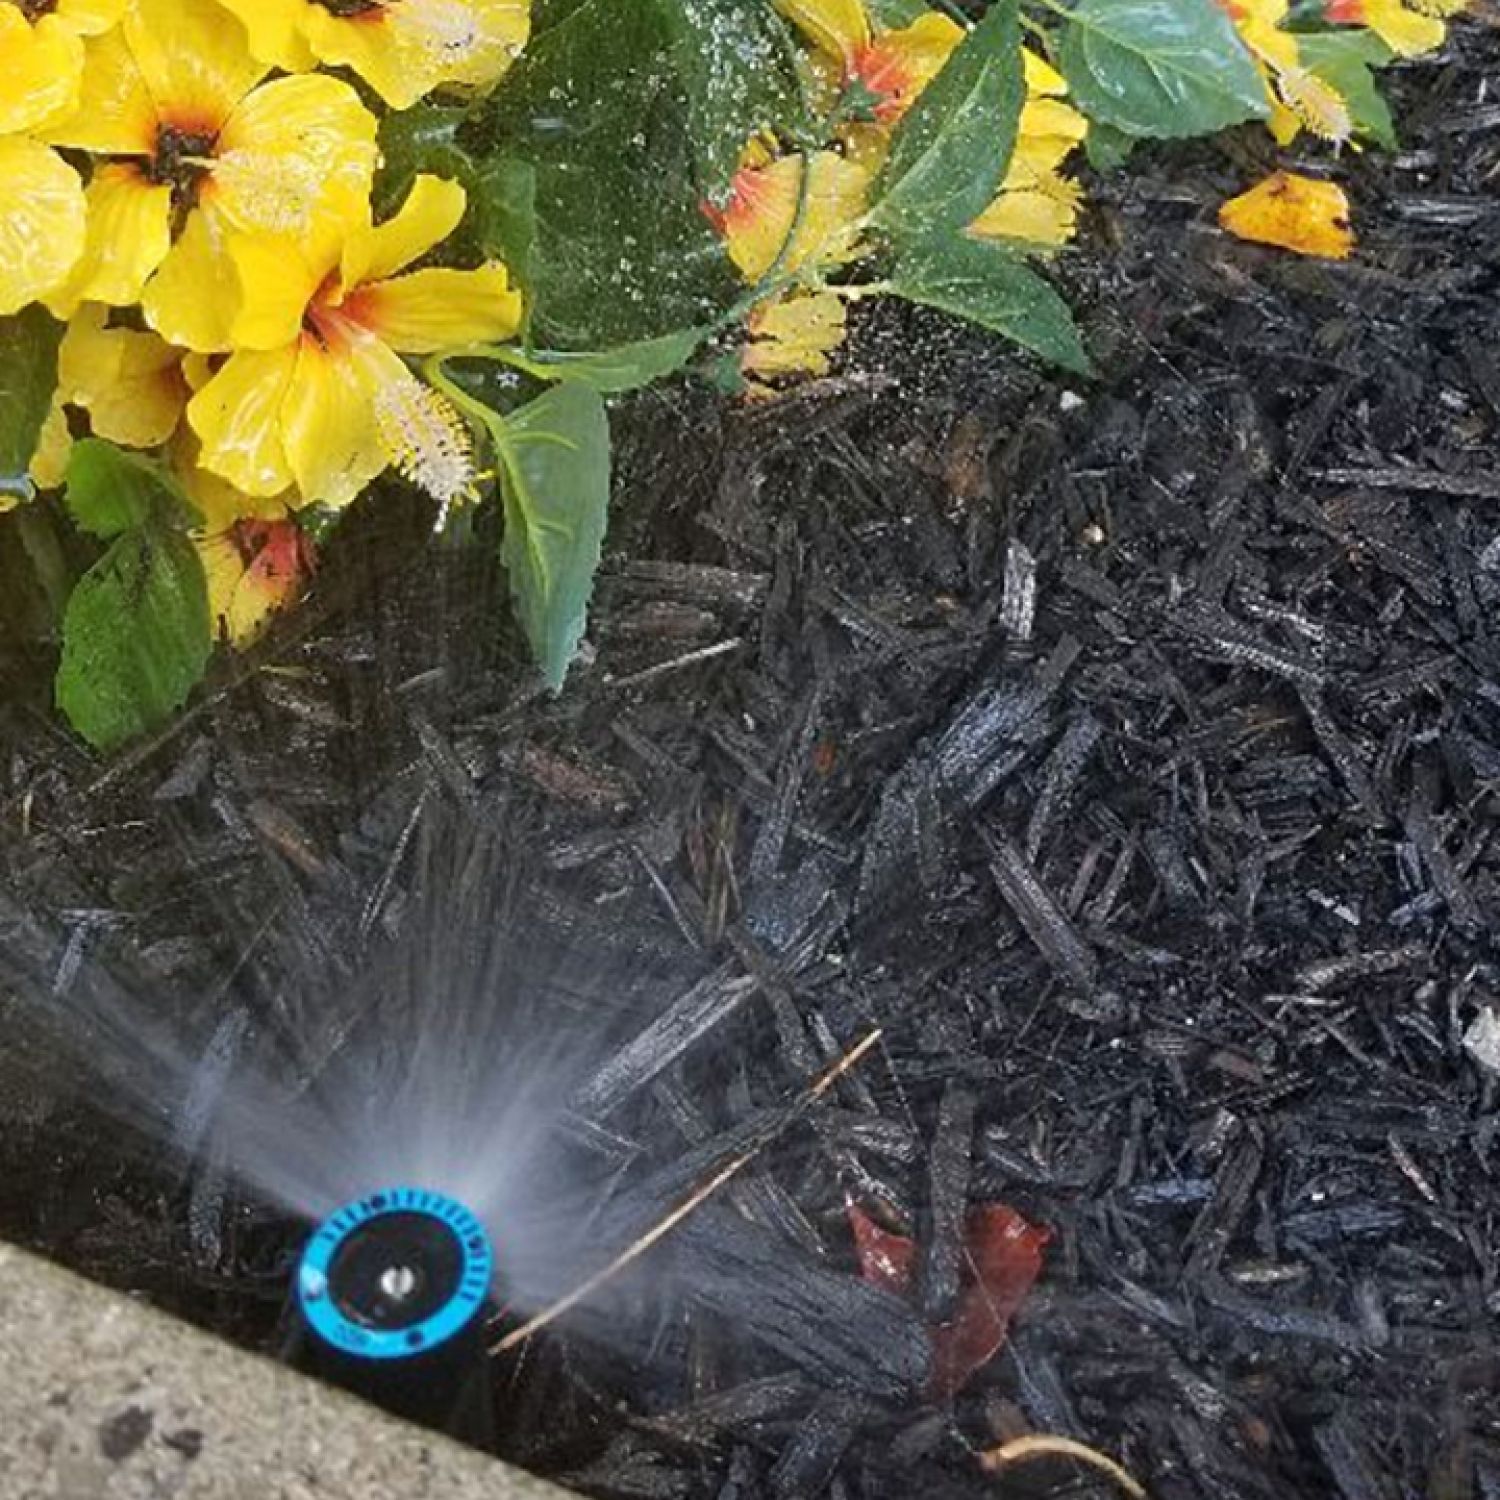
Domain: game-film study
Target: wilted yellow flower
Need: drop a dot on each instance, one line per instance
(793, 335)
(771, 218)
(174, 103)
(334, 406)
(1293, 212)
(1408, 30)
(402, 48)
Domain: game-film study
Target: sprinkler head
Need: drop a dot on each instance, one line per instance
(397, 1275)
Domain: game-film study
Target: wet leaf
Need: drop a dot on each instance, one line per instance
(135, 636)
(1304, 214)
(626, 367)
(109, 490)
(28, 377)
(1003, 1254)
(991, 285)
(555, 480)
(1159, 67)
(952, 148)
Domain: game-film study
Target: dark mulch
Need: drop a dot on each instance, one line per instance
(1127, 751)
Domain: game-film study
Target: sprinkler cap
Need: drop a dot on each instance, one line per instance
(395, 1275)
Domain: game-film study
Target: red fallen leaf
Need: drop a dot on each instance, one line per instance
(1003, 1255)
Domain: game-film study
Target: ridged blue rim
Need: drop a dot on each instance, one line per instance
(323, 1315)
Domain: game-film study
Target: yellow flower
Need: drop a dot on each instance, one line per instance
(175, 101)
(1297, 97)
(793, 335)
(1407, 31)
(402, 48)
(770, 218)
(1036, 203)
(334, 406)
(42, 221)
(42, 52)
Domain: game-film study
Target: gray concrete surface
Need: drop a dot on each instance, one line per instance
(104, 1398)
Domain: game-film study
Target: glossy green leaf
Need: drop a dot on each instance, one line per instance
(598, 110)
(555, 467)
(953, 147)
(892, 14)
(1107, 148)
(626, 367)
(136, 636)
(991, 285)
(424, 138)
(1159, 67)
(1346, 59)
(109, 490)
(28, 377)
(507, 216)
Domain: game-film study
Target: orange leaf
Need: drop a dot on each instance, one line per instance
(1297, 213)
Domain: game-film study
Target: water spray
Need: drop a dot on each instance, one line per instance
(392, 1295)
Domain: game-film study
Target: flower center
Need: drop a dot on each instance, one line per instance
(180, 161)
(345, 8)
(34, 10)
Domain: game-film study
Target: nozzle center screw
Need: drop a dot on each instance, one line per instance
(398, 1282)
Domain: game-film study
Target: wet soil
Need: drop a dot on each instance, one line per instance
(1127, 750)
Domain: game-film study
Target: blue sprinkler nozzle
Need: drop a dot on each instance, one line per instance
(396, 1275)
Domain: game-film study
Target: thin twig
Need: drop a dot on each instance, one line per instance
(695, 1200)
(1043, 1445)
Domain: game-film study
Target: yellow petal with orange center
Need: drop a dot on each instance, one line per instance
(129, 235)
(411, 47)
(194, 58)
(292, 152)
(1297, 213)
(43, 221)
(838, 27)
(898, 65)
(276, 279)
(254, 568)
(120, 118)
(43, 64)
(130, 383)
(1404, 31)
(195, 296)
(274, 31)
(768, 213)
(332, 440)
(237, 417)
(426, 311)
(433, 209)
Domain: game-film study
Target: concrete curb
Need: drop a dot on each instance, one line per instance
(104, 1398)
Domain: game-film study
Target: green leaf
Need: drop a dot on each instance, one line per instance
(136, 636)
(109, 490)
(893, 14)
(1346, 59)
(1107, 148)
(952, 148)
(421, 139)
(738, 66)
(596, 107)
(507, 217)
(991, 285)
(28, 377)
(1159, 67)
(626, 367)
(555, 481)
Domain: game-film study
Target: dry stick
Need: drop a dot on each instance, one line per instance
(700, 1195)
(1023, 1449)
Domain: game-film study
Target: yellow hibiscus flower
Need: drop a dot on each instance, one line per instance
(42, 221)
(1297, 97)
(1408, 30)
(334, 406)
(791, 335)
(403, 49)
(191, 136)
(41, 44)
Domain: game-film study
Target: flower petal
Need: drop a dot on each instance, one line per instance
(43, 221)
(425, 311)
(194, 58)
(837, 27)
(1295, 213)
(433, 210)
(121, 118)
(43, 65)
(130, 383)
(49, 464)
(90, 17)
(195, 296)
(763, 211)
(332, 440)
(794, 335)
(254, 568)
(274, 30)
(237, 417)
(294, 151)
(129, 234)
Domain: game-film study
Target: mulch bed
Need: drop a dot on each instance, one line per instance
(1127, 751)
